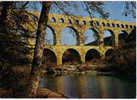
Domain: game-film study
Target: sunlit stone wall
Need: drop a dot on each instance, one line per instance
(80, 24)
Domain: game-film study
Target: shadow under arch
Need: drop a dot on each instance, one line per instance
(91, 37)
(71, 56)
(109, 38)
(122, 36)
(109, 52)
(49, 58)
(92, 54)
(70, 36)
(51, 32)
(131, 36)
(109, 55)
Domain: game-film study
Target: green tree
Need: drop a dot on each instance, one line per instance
(13, 35)
(16, 11)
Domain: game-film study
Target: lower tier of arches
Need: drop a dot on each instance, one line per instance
(58, 55)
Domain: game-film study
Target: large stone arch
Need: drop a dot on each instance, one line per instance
(94, 36)
(49, 58)
(109, 38)
(132, 35)
(92, 54)
(53, 33)
(74, 33)
(122, 36)
(71, 56)
(109, 54)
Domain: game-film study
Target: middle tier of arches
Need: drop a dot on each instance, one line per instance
(68, 35)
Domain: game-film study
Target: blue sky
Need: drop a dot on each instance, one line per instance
(115, 9)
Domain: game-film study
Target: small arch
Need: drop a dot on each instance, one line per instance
(108, 24)
(91, 37)
(92, 55)
(126, 26)
(69, 36)
(50, 36)
(135, 27)
(97, 23)
(122, 25)
(109, 38)
(52, 19)
(71, 56)
(91, 23)
(103, 24)
(49, 58)
(113, 25)
(122, 36)
(83, 22)
(117, 25)
(76, 22)
(69, 21)
(61, 20)
(130, 26)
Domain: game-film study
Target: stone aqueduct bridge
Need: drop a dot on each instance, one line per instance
(80, 24)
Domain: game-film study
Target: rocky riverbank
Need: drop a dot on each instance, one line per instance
(18, 78)
(13, 83)
(75, 70)
(102, 69)
(41, 93)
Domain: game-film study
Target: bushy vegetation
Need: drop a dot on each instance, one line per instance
(14, 48)
(14, 45)
(123, 59)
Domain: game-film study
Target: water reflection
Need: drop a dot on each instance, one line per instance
(59, 85)
(90, 86)
(82, 86)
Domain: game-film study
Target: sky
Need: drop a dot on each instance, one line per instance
(115, 9)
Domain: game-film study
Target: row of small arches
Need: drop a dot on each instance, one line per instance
(61, 20)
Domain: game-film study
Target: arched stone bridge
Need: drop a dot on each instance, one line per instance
(80, 24)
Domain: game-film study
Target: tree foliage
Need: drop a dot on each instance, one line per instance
(15, 23)
(14, 34)
(130, 9)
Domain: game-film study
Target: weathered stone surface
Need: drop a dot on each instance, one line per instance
(100, 25)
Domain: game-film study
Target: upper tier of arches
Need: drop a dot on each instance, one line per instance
(91, 22)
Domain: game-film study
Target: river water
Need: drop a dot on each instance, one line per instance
(90, 86)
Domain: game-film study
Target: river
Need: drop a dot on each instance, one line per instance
(90, 86)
